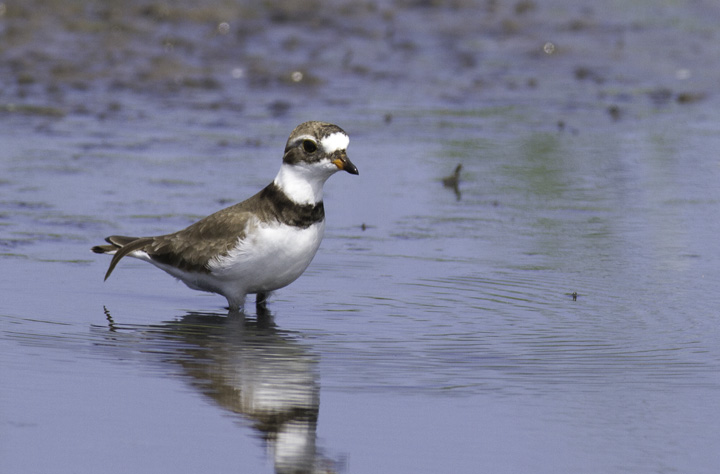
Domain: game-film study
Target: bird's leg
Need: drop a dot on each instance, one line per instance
(264, 316)
(261, 302)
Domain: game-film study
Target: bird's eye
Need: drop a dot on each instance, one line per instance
(309, 146)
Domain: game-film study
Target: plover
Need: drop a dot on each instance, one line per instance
(261, 244)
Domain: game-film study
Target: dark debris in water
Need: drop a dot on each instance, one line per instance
(55, 54)
(663, 96)
(453, 181)
(37, 110)
(689, 97)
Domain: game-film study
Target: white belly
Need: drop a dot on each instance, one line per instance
(268, 258)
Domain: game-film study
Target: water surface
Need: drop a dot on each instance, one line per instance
(557, 312)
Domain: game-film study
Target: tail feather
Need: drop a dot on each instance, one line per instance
(120, 246)
(121, 240)
(104, 248)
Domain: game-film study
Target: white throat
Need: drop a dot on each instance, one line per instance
(303, 183)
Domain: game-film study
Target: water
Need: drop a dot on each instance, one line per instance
(435, 331)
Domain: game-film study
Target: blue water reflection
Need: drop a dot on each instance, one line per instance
(435, 324)
(248, 367)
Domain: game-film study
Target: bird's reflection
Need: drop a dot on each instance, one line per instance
(249, 367)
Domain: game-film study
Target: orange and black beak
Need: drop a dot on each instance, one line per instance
(344, 163)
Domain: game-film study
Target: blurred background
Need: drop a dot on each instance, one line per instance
(552, 307)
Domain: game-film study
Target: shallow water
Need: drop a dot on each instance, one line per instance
(436, 330)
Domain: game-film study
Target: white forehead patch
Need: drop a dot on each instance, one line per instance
(334, 142)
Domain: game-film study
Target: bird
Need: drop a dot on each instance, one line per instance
(258, 245)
